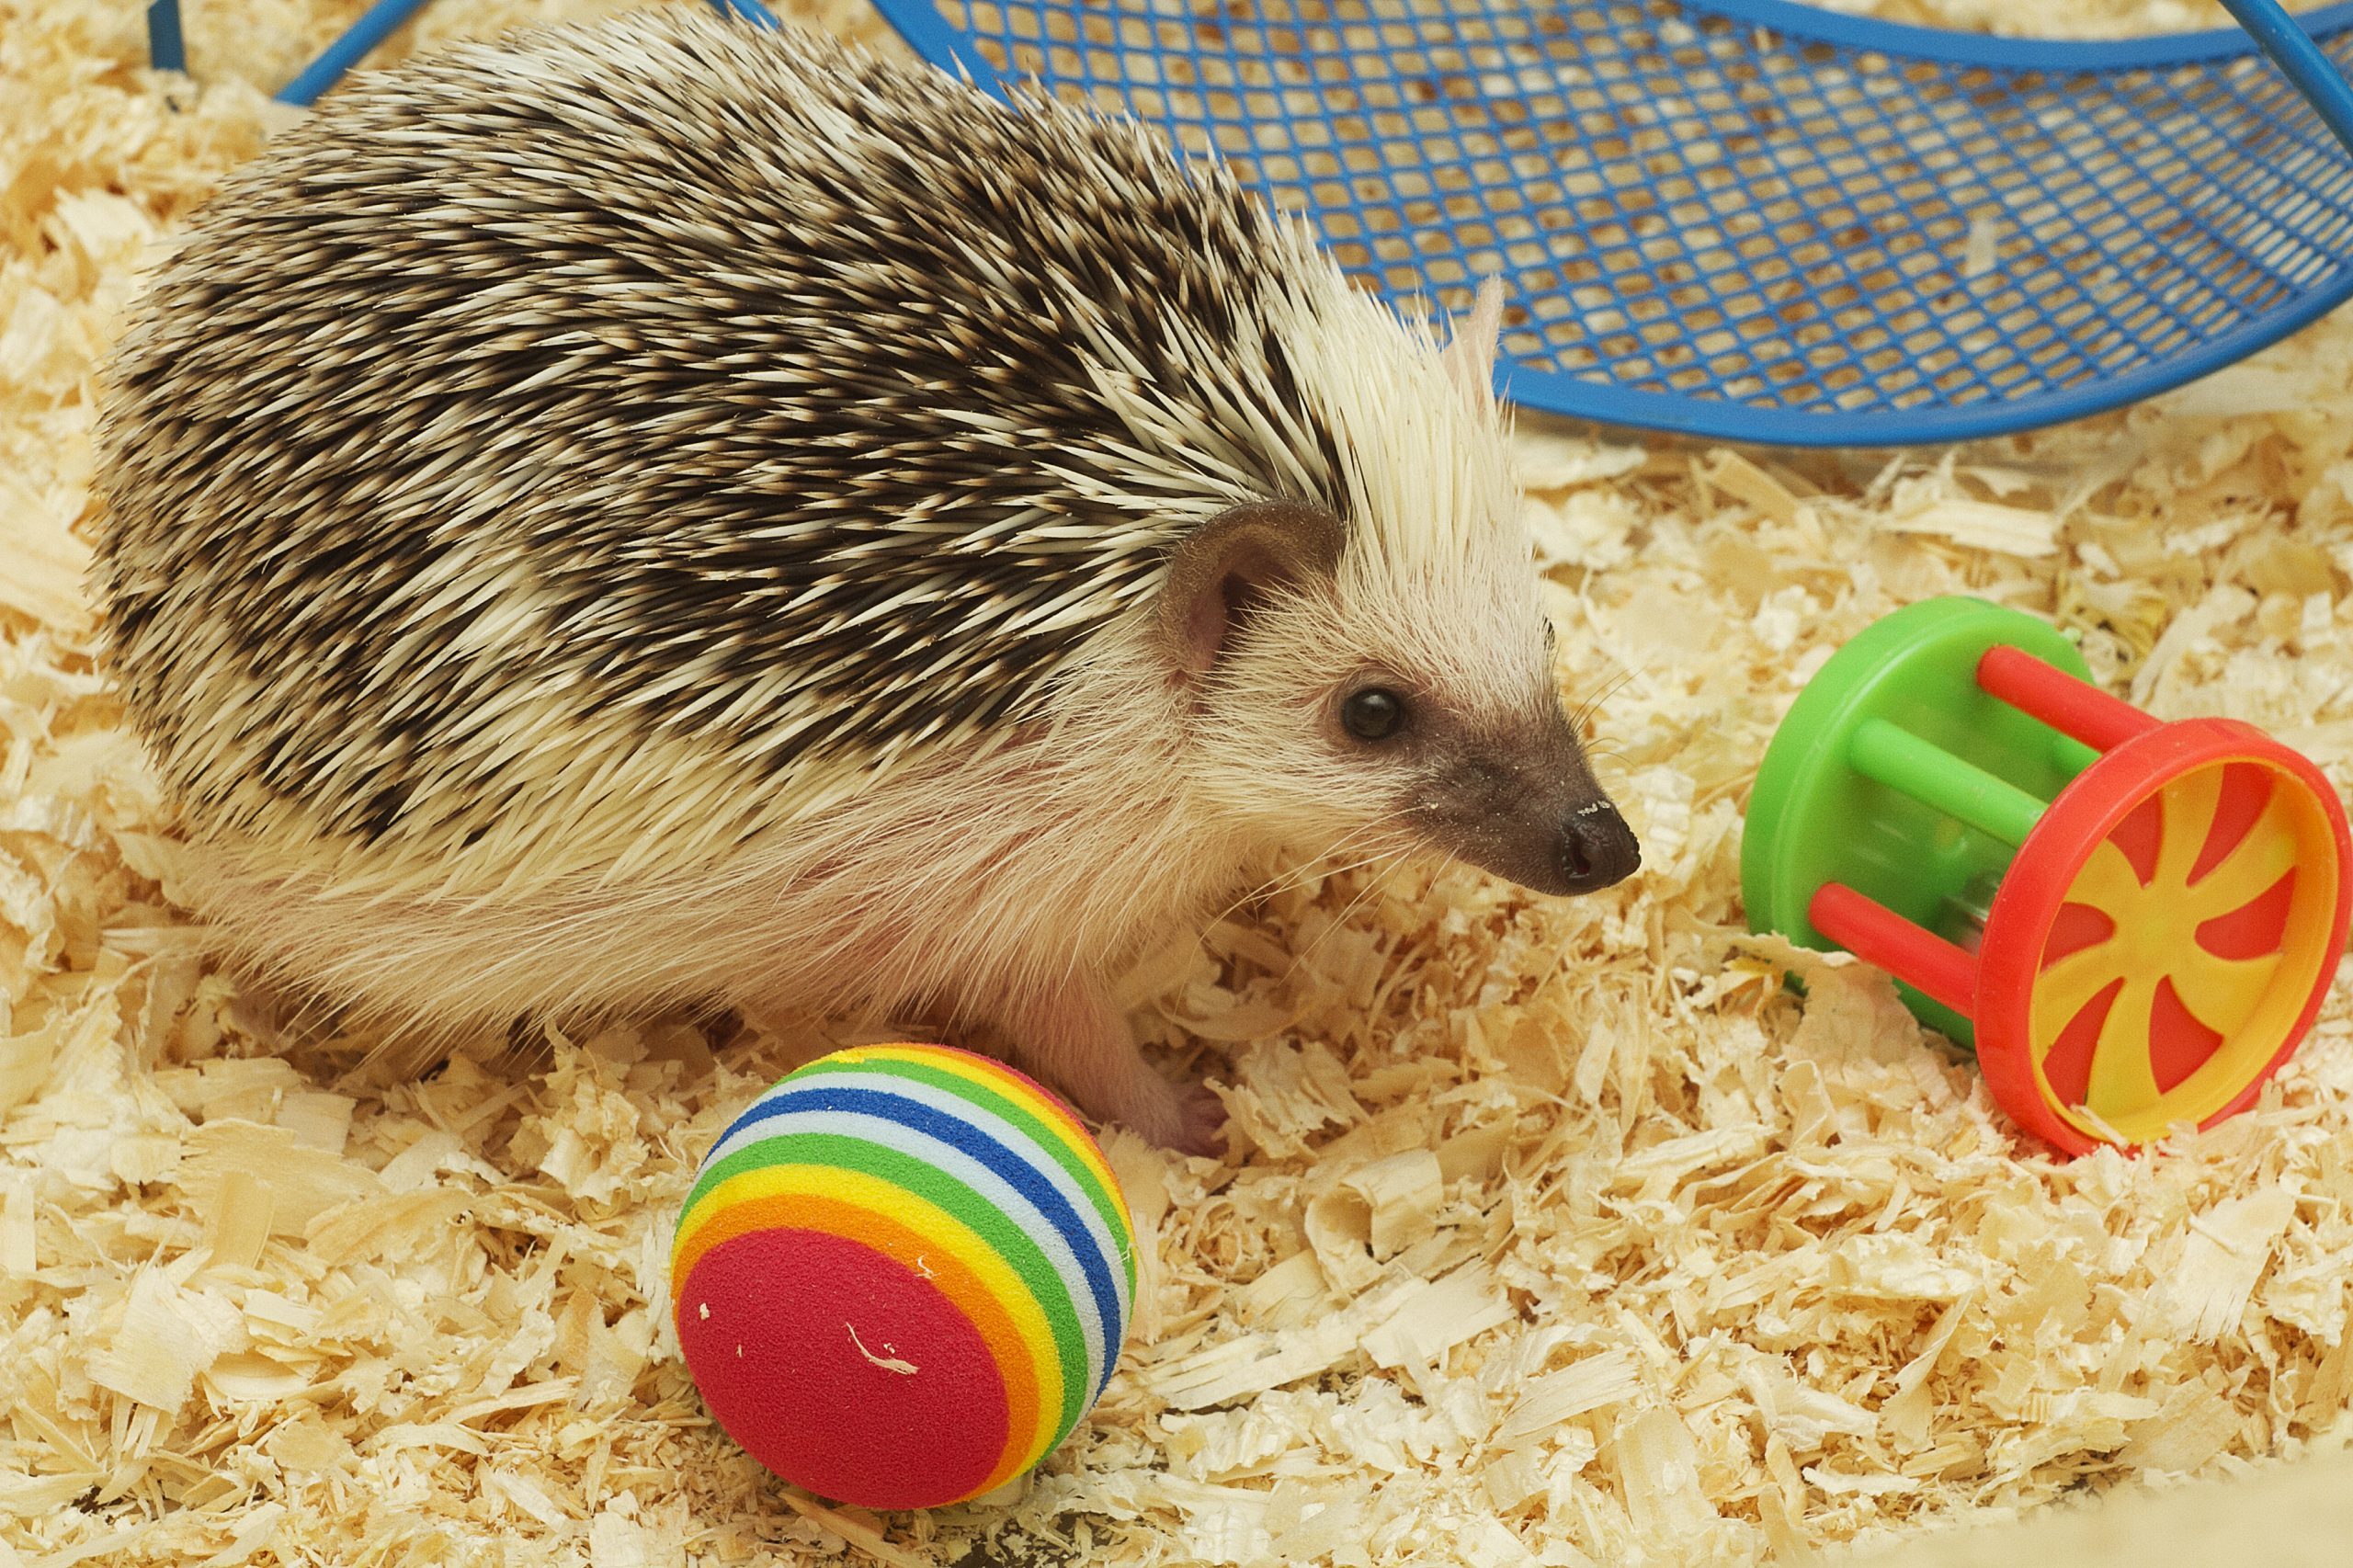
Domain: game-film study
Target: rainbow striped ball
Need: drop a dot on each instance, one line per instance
(902, 1276)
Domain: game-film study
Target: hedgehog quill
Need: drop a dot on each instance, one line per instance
(661, 511)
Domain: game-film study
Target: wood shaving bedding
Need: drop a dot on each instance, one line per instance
(1555, 1234)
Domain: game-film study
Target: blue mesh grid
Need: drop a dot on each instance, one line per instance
(1749, 218)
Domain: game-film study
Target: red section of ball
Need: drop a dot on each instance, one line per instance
(842, 1370)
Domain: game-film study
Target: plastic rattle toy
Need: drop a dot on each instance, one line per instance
(902, 1276)
(2133, 922)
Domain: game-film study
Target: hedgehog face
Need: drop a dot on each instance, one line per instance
(1350, 710)
(1384, 683)
(1505, 789)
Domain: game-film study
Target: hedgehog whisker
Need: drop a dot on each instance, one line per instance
(1326, 873)
(1317, 868)
(1374, 885)
(1585, 710)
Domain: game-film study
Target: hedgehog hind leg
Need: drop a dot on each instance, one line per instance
(1071, 1035)
(376, 990)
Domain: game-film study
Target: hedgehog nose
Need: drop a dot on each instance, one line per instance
(1598, 850)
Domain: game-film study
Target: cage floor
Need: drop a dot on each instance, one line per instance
(1555, 1233)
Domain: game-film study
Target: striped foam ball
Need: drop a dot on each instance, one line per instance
(902, 1276)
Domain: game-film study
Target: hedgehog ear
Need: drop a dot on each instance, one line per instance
(1225, 569)
(1469, 353)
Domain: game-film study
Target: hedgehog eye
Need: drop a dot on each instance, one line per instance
(1373, 714)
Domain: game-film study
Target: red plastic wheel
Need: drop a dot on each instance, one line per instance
(2163, 937)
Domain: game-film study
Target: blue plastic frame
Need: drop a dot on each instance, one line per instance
(166, 48)
(2014, 54)
(375, 25)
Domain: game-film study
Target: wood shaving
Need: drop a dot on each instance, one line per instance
(1554, 1232)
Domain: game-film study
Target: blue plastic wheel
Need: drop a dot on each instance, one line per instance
(1753, 220)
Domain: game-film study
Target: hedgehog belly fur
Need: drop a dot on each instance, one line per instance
(977, 888)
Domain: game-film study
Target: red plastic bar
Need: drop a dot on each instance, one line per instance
(2069, 706)
(1877, 935)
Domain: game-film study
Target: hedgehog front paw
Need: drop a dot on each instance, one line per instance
(1077, 1042)
(1189, 1120)
(1201, 1129)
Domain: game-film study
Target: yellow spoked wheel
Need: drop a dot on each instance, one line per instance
(2163, 937)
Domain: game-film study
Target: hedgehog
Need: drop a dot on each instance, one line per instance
(662, 511)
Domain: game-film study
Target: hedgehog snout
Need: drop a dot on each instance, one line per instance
(1519, 799)
(1598, 850)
